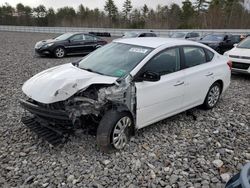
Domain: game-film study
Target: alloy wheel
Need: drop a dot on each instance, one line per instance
(60, 52)
(213, 95)
(120, 133)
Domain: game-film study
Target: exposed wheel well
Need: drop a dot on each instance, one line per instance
(122, 108)
(221, 84)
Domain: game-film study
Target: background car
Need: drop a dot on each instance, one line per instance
(69, 43)
(135, 34)
(220, 42)
(127, 85)
(240, 56)
(194, 36)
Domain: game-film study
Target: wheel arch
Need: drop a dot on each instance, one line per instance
(221, 84)
(120, 107)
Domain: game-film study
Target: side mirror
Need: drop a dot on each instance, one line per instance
(235, 45)
(150, 76)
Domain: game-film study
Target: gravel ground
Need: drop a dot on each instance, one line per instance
(176, 152)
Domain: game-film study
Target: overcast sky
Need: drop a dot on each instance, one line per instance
(89, 3)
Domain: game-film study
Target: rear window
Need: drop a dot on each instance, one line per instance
(210, 55)
(194, 56)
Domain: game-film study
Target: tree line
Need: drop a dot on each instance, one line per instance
(200, 14)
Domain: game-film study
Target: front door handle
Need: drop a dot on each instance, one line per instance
(179, 83)
(210, 74)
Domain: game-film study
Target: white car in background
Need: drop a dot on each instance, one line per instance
(240, 56)
(127, 85)
(194, 36)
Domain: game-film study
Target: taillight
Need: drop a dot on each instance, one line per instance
(230, 64)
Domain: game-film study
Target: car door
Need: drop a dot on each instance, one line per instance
(227, 43)
(160, 99)
(199, 74)
(76, 44)
(91, 43)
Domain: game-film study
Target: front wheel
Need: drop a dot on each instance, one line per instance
(59, 52)
(213, 96)
(114, 130)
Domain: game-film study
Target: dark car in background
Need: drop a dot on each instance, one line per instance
(69, 43)
(220, 42)
(135, 34)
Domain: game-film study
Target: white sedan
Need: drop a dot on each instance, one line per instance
(127, 85)
(240, 56)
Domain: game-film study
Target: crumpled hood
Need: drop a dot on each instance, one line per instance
(61, 82)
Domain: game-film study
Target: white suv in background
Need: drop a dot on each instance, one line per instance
(127, 85)
(240, 56)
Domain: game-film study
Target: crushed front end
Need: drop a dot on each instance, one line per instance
(56, 121)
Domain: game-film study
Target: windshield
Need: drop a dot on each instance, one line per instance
(130, 35)
(213, 38)
(115, 59)
(178, 35)
(245, 43)
(64, 36)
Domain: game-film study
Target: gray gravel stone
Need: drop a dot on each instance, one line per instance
(218, 163)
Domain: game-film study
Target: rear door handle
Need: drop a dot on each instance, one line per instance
(179, 83)
(210, 74)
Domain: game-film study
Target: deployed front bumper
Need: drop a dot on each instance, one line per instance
(44, 112)
(54, 126)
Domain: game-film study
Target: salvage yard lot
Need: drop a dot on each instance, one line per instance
(181, 150)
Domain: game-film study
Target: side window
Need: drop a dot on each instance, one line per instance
(166, 62)
(77, 37)
(195, 35)
(210, 55)
(90, 38)
(194, 56)
(189, 35)
(142, 35)
(150, 35)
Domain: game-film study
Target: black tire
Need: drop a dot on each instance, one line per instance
(215, 89)
(107, 125)
(59, 52)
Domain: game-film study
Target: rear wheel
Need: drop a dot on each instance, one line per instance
(114, 130)
(59, 52)
(213, 96)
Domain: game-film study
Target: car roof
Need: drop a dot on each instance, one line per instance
(139, 32)
(155, 42)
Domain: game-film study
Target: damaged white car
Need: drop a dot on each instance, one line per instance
(124, 86)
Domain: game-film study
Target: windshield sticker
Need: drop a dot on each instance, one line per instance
(138, 50)
(119, 73)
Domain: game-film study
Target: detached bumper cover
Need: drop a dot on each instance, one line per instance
(44, 112)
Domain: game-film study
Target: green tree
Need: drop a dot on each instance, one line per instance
(20, 9)
(127, 7)
(187, 14)
(39, 14)
(111, 9)
(145, 10)
(7, 12)
(51, 17)
(201, 5)
(66, 16)
(175, 14)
